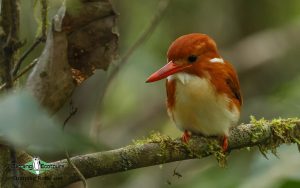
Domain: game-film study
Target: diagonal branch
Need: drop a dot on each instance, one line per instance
(159, 149)
(161, 9)
(42, 38)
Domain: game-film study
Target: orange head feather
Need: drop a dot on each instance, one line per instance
(197, 54)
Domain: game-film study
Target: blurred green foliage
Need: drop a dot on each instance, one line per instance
(270, 89)
(26, 125)
(131, 108)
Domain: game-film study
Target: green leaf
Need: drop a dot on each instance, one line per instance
(25, 124)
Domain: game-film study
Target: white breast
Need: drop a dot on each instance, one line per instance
(199, 109)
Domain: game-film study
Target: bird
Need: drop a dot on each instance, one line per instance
(203, 90)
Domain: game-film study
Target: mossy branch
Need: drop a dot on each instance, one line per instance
(159, 149)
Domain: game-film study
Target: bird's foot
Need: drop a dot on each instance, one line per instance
(186, 136)
(225, 143)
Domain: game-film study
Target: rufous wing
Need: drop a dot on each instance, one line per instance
(233, 84)
(170, 87)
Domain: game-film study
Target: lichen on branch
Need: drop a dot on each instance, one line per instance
(282, 132)
(159, 149)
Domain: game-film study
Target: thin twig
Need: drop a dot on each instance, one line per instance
(22, 72)
(2, 86)
(73, 111)
(161, 9)
(175, 172)
(44, 13)
(26, 53)
(82, 178)
(26, 69)
(42, 38)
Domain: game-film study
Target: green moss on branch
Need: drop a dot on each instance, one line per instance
(283, 131)
(159, 149)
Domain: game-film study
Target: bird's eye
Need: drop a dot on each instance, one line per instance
(192, 58)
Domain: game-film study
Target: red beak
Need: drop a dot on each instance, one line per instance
(167, 70)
